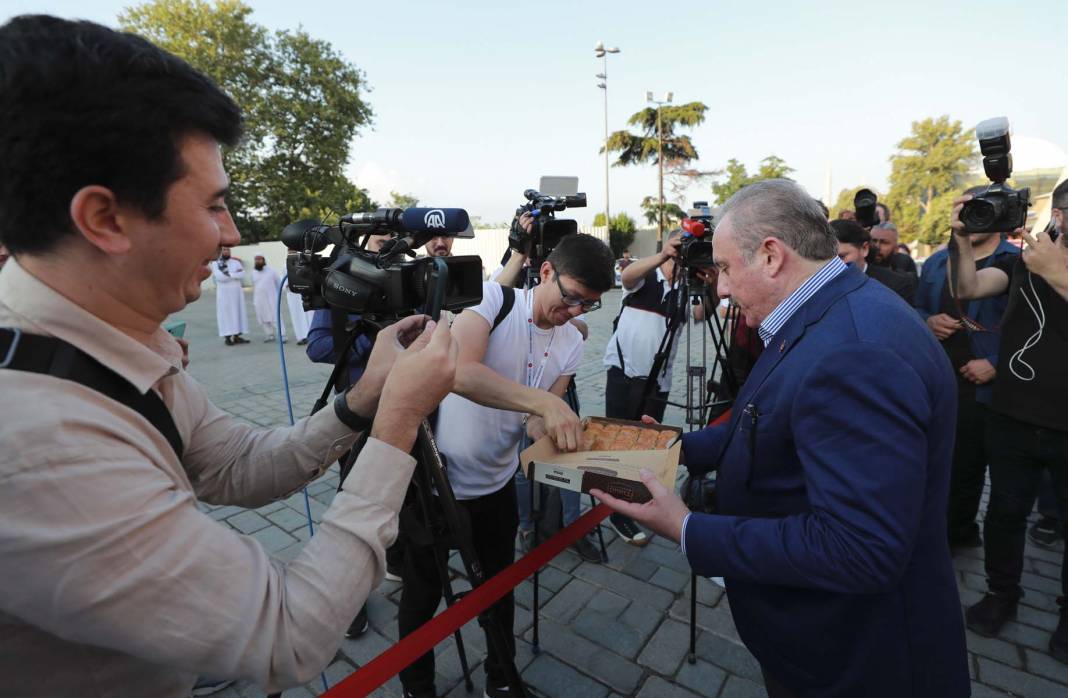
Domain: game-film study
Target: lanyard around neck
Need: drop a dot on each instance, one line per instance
(534, 377)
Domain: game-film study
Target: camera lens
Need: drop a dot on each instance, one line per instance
(980, 213)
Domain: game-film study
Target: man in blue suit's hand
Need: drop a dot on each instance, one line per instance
(832, 473)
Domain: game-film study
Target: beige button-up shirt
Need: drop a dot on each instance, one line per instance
(112, 582)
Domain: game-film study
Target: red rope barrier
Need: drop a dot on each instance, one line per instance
(388, 664)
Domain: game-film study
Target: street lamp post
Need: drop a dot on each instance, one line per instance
(660, 161)
(601, 52)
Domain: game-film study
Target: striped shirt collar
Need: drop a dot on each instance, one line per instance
(785, 310)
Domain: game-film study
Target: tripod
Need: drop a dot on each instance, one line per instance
(701, 410)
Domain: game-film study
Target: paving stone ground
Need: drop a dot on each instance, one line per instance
(617, 629)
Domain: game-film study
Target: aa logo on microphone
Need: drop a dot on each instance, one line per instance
(435, 218)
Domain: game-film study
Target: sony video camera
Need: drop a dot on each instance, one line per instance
(383, 284)
(548, 229)
(998, 208)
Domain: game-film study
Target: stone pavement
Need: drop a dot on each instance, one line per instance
(618, 629)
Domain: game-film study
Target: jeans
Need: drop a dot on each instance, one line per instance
(969, 470)
(1019, 453)
(493, 522)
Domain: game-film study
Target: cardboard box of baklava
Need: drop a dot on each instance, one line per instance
(613, 451)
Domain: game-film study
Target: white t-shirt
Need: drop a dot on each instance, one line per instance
(639, 333)
(479, 442)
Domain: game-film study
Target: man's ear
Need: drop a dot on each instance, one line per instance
(772, 254)
(546, 272)
(99, 218)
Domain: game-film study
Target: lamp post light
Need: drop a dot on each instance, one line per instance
(601, 52)
(660, 161)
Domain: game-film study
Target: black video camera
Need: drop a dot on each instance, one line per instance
(696, 247)
(382, 284)
(864, 206)
(548, 230)
(998, 208)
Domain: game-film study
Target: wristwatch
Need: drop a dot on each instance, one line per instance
(348, 417)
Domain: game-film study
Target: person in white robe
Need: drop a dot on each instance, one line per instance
(265, 283)
(229, 299)
(300, 318)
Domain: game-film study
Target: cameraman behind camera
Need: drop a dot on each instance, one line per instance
(124, 586)
(1027, 430)
(513, 362)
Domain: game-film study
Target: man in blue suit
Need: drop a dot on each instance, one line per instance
(833, 547)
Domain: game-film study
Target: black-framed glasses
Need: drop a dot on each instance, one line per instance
(571, 300)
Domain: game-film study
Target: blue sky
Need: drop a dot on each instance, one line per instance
(475, 100)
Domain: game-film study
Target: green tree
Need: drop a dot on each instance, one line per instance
(930, 168)
(673, 213)
(642, 147)
(737, 177)
(620, 233)
(303, 104)
(398, 200)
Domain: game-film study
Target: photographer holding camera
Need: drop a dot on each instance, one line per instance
(115, 582)
(973, 352)
(854, 246)
(1027, 431)
(649, 298)
(833, 548)
(514, 366)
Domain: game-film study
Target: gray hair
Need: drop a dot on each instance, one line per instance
(780, 208)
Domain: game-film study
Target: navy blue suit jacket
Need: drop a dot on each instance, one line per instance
(833, 476)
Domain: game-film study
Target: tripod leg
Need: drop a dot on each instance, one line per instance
(434, 467)
(600, 534)
(442, 565)
(692, 659)
(535, 645)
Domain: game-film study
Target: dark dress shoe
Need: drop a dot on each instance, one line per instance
(987, 617)
(1058, 643)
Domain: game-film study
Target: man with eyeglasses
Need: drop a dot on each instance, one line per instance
(513, 368)
(649, 299)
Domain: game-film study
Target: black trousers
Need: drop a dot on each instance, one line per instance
(1019, 453)
(494, 521)
(969, 470)
(623, 397)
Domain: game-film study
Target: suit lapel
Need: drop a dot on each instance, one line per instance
(787, 338)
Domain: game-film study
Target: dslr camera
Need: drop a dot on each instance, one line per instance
(548, 229)
(998, 208)
(386, 284)
(864, 207)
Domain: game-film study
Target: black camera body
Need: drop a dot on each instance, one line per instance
(548, 230)
(998, 208)
(383, 285)
(864, 207)
(696, 247)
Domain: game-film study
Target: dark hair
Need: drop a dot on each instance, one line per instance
(1059, 198)
(884, 207)
(585, 259)
(850, 232)
(80, 105)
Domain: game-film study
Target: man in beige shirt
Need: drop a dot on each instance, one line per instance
(114, 583)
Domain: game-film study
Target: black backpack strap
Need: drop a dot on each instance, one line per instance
(52, 356)
(506, 306)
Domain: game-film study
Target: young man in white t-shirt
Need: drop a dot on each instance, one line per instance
(510, 379)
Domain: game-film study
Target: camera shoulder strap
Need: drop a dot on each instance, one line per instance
(506, 306)
(54, 357)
